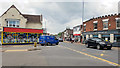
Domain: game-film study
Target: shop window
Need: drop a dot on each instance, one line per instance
(117, 38)
(21, 37)
(32, 37)
(105, 24)
(95, 25)
(106, 37)
(8, 37)
(12, 23)
(118, 23)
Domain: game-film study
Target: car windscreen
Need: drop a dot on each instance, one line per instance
(96, 39)
(42, 37)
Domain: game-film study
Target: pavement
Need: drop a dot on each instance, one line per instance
(64, 54)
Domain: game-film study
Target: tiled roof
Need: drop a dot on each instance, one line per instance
(32, 18)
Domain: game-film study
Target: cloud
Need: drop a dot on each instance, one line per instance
(59, 15)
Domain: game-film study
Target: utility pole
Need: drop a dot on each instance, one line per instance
(82, 18)
(82, 11)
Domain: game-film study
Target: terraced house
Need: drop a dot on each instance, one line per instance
(19, 28)
(106, 27)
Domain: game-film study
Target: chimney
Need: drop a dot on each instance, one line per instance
(105, 15)
(111, 14)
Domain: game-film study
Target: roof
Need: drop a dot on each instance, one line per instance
(9, 9)
(30, 18)
(33, 18)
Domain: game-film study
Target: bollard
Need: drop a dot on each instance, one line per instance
(35, 44)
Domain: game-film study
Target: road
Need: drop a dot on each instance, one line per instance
(64, 54)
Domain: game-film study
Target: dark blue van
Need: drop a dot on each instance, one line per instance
(48, 40)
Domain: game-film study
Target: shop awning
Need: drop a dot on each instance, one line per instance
(105, 35)
(77, 34)
(22, 30)
(95, 35)
(117, 35)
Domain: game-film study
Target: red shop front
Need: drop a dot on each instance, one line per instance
(11, 35)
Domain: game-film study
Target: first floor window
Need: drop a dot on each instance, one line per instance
(95, 25)
(12, 23)
(117, 22)
(105, 24)
(84, 27)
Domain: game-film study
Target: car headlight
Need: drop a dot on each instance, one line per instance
(102, 42)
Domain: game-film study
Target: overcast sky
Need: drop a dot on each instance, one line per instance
(59, 14)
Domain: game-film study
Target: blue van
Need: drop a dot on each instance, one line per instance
(48, 40)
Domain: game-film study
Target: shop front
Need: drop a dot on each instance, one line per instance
(11, 35)
(106, 37)
(95, 36)
(110, 35)
(117, 38)
(77, 37)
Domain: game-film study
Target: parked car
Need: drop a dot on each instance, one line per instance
(98, 43)
(60, 40)
(48, 40)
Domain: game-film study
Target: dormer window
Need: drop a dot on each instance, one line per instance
(13, 22)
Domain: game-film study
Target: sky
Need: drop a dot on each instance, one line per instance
(61, 14)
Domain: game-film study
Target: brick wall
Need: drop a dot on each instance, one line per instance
(111, 23)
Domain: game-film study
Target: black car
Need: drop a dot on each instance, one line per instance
(98, 43)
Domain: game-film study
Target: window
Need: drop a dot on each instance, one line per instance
(74, 29)
(12, 23)
(78, 28)
(84, 27)
(105, 23)
(118, 23)
(95, 25)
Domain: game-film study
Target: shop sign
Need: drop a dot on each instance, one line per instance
(103, 32)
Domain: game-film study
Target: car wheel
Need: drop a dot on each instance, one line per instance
(99, 47)
(56, 43)
(87, 45)
(42, 44)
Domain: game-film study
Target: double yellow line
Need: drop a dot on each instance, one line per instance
(15, 50)
(92, 56)
(21, 45)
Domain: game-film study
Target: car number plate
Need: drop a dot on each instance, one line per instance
(108, 45)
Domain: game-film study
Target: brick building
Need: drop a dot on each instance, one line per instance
(106, 27)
